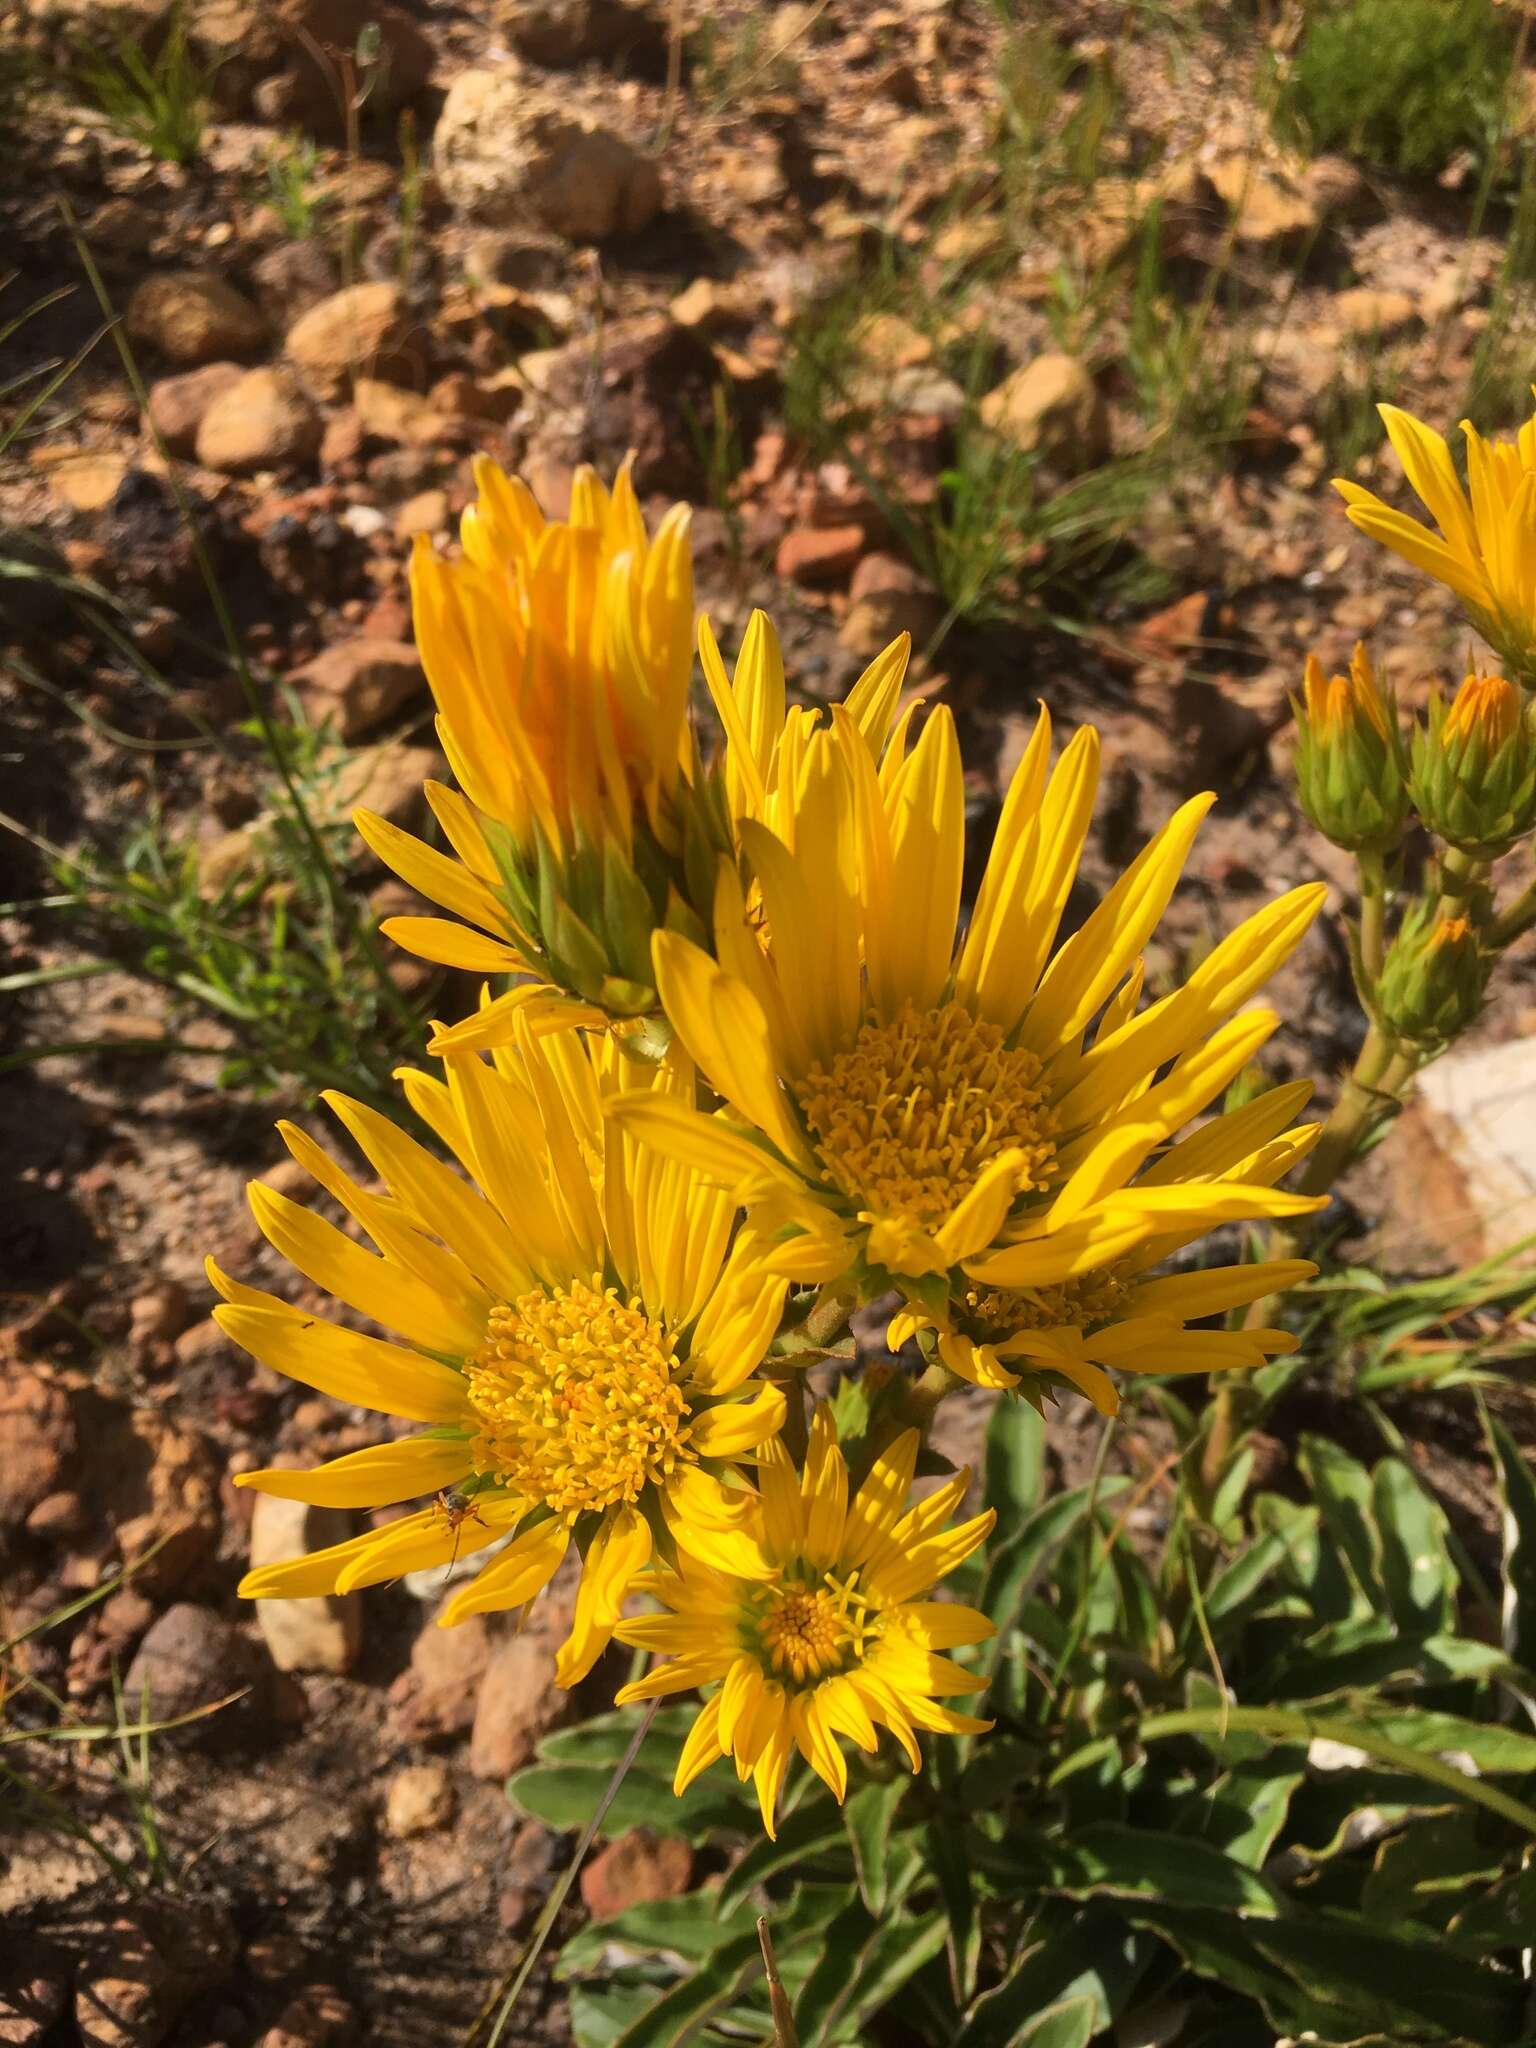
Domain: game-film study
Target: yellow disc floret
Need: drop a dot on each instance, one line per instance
(907, 1118)
(804, 1631)
(577, 1396)
(992, 1313)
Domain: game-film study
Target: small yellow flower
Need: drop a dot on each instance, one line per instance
(1485, 550)
(559, 653)
(578, 1336)
(896, 1105)
(837, 1640)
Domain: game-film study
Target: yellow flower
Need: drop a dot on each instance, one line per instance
(838, 1640)
(895, 1106)
(559, 654)
(1485, 550)
(1485, 709)
(1120, 1315)
(578, 1332)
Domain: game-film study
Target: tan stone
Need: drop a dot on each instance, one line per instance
(348, 333)
(265, 421)
(427, 512)
(391, 413)
(1268, 207)
(1052, 408)
(507, 149)
(177, 404)
(1361, 310)
(88, 482)
(419, 1799)
(320, 1634)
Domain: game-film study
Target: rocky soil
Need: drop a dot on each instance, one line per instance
(547, 232)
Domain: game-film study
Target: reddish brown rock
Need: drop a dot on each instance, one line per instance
(636, 1869)
(438, 1694)
(347, 334)
(264, 421)
(819, 554)
(318, 2018)
(360, 683)
(38, 1443)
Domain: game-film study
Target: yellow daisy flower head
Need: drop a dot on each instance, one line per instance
(1485, 549)
(899, 1108)
(577, 1332)
(1124, 1317)
(838, 1639)
(559, 653)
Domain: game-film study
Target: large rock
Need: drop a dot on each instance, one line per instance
(322, 1634)
(570, 31)
(359, 683)
(280, 61)
(155, 1488)
(347, 334)
(265, 421)
(177, 405)
(508, 150)
(1462, 1159)
(194, 316)
(639, 1868)
(38, 1443)
(190, 1662)
(1052, 408)
(519, 1700)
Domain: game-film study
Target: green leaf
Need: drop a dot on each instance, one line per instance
(867, 1816)
(677, 2016)
(862, 1966)
(1517, 1492)
(1416, 1567)
(805, 1833)
(1070, 2025)
(1014, 1566)
(1015, 1464)
(692, 1927)
(599, 2014)
(1502, 1918)
(1243, 1809)
(1084, 1953)
(1342, 1489)
(1131, 1862)
(562, 1796)
(1338, 1976)
(1490, 1745)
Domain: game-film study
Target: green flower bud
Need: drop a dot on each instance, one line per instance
(1432, 983)
(1351, 765)
(1474, 768)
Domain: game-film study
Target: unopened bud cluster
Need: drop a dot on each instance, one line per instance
(1467, 772)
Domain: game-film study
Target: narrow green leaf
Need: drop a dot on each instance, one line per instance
(1416, 1567)
(1015, 1464)
(813, 1828)
(1517, 1493)
(867, 1816)
(679, 2013)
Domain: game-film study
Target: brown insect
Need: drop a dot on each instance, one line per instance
(456, 1509)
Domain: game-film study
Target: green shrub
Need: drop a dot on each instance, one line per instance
(1401, 83)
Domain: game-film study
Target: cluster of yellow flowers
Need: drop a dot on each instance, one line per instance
(754, 1071)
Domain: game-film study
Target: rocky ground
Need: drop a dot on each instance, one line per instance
(569, 230)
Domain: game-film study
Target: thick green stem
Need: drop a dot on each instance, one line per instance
(1515, 921)
(1373, 920)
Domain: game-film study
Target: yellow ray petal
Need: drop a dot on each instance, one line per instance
(617, 1556)
(375, 1478)
(348, 1365)
(524, 1568)
(448, 944)
(439, 879)
(736, 1427)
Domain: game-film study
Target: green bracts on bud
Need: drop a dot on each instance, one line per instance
(1431, 987)
(1351, 763)
(1473, 778)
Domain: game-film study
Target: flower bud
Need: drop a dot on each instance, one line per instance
(1431, 987)
(1351, 767)
(1473, 780)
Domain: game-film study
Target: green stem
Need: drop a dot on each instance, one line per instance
(1515, 921)
(1373, 920)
